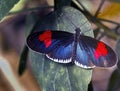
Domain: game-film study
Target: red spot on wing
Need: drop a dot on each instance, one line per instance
(101, 50)
(46, 37)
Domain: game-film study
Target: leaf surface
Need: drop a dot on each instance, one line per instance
(52, 76)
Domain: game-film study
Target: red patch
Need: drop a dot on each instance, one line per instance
(101, 50)
(46, 37)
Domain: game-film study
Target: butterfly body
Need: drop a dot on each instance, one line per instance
(65, 47)
(76, 38)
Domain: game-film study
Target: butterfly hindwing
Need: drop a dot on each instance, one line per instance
(57, 45)
(63, 52)
(82, 57)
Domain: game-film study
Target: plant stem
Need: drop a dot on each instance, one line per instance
(58, 4)
(99, 8)
(96, 21)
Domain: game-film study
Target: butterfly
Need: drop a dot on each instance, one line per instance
(65, 47)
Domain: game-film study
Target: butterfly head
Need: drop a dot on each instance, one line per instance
(78, 31)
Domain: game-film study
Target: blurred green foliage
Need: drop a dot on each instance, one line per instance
(5, 7)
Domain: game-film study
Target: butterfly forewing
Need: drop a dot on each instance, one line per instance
(34, 42)
(95, 53)
(57, 45)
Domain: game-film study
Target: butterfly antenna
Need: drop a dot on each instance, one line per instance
(67, 18)
(76, 26)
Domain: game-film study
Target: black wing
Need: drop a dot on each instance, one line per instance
(57, 45)
(91, 53)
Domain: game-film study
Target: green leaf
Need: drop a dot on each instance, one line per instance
(23, 61)
(30, 22)
(114, 83)
(52, 76)
(5, 6)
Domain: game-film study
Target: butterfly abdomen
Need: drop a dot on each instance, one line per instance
(76, 39)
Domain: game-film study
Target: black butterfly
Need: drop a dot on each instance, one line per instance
(65, 47)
